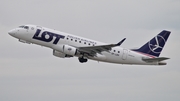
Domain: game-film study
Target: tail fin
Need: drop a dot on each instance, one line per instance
(155, 45)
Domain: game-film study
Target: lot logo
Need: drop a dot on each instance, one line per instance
(47, 36)
(156, 44)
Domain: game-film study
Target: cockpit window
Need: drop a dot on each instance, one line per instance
(26, 27)
(21, 26)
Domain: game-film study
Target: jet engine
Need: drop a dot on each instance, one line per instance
(69, 50)
(59, 54)
(65, 50)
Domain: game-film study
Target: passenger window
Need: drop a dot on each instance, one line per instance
(89, 44)
(79, 41)
(71, 39)
(75, 40)
(84, 42)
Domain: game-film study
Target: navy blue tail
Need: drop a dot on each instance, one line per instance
(155, 45)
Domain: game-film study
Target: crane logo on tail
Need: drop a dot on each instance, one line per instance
(157, 44)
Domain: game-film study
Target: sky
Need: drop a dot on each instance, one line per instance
(31, 73)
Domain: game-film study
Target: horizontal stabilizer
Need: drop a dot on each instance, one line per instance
(158, 59)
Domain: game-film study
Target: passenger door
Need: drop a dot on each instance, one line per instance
(125, 52)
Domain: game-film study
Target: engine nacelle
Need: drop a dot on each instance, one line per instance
(59, 54)
(66, 49)
(69, 50)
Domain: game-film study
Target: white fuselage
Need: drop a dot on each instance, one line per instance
(115, 55)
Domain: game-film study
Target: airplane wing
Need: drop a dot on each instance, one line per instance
(92, 50)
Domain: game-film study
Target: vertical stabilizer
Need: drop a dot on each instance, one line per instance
(155, 45)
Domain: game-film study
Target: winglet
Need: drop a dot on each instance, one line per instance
(118, 44)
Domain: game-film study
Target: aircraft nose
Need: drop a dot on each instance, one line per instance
(12, 32)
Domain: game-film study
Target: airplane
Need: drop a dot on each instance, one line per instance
(66, 45)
